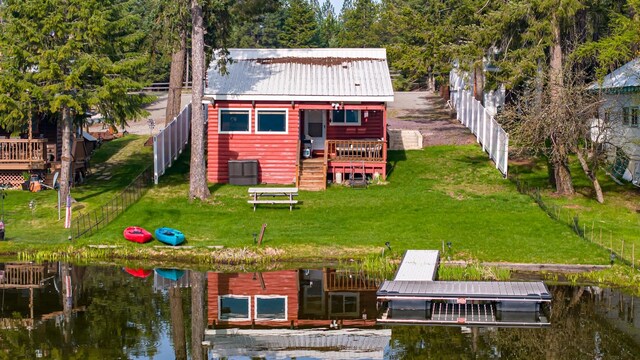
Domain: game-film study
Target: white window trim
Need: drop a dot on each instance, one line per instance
(345, 114)
(286, 306)
(356, 295)
(220, 131)
(248, 298)
(286, 121)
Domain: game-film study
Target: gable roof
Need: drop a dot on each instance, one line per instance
(625, 77)
(303, 75)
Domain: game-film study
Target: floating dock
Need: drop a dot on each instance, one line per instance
(414, 297)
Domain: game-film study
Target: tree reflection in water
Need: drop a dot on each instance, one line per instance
(76, 312)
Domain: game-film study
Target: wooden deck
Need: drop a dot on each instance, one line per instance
(23, 154)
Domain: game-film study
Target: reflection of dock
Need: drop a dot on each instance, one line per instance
(413, 297)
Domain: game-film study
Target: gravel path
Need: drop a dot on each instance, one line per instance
(156, 112)
(426, 112)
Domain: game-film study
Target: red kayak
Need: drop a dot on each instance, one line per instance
(137, 234)
(141, 273)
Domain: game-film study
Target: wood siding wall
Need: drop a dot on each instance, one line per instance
(276, 153)
(372, 128)
(276, 283)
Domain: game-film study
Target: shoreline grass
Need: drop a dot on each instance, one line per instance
(433, 196)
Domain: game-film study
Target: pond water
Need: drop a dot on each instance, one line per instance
(63, 311)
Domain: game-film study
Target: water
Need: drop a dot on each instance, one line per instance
(62, 311)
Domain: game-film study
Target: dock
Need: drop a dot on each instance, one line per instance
(416, 297)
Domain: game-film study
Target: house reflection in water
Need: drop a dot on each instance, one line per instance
(340, 307)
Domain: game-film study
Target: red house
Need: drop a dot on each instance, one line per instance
(298, 116)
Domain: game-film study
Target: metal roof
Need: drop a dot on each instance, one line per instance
(628, 75)
(303, 75)
(418, 265)
(496, 290)
(285, 343)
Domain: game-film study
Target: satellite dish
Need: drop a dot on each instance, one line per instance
(55, 180)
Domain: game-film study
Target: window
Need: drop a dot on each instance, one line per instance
(233, 307)
(271, 308)
(345, 304)
(234, 121)
(635, 116)
(625, 115)
(345, 117)
(271, 121)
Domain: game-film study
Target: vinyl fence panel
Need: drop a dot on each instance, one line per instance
(471, 113)
(169, 143)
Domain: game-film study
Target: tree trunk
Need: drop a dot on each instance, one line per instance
(174, 99)
(197, 281)
(177, 323)
(478, 83)
(556, 80)
(591, 175)
(66, 176)
(562, 175)
(198, 180)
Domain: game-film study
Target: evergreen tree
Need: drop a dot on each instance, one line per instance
(328, 26)
(359, 25)
(299, 28)
(70, 57)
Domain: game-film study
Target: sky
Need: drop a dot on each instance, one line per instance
(337, 5)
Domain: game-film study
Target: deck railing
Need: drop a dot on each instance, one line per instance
(338, 280)
(358, 150)
(23, 150)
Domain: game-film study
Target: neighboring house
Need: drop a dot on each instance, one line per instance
(298, 116)
(619, 116)
(37, 151)
(291, 298)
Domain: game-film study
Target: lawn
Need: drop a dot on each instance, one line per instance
(32, 218)
(613, 225)
(433, 196)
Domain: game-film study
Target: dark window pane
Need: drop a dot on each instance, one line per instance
(337, 116)
(352, 116)
(270, 308)
(234, 308)
(272, 121)
(315, 129)
(234, 120)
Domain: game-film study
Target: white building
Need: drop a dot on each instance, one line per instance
(619, 114)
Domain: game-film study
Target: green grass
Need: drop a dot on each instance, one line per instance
(440, 194)
(39, 224)
(611, 225)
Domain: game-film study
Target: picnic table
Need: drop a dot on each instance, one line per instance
(276, 195)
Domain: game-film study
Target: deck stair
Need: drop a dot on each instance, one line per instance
(312, 175)
(405, 139)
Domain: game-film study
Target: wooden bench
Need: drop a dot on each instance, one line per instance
(258, 194)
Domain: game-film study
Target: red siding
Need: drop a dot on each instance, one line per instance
(276, 153)
(371, 128)
(280, 283)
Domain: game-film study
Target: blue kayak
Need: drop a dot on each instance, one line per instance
(171, 274)
(169, 236)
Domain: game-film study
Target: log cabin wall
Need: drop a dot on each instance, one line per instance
(276, 153)
(276, 283)
(371, 127)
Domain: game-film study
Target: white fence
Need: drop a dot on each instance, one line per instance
(494, 140)
(170, 142)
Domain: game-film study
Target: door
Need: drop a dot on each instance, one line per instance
(315, 127)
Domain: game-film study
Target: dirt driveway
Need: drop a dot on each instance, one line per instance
(426, 112)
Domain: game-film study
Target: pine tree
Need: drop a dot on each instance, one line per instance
(70, 57)
(328, 25)
(300, 27)
(359, 25)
